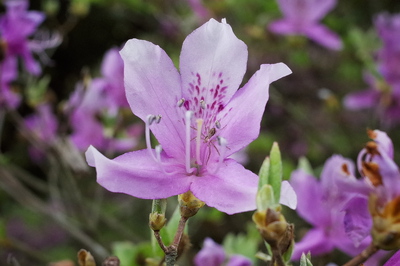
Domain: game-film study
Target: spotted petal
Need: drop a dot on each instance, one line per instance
(212, 63)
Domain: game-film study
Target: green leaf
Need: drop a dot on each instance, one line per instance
(305, 260)
(125, 251)
(275, 171)
(171, 227)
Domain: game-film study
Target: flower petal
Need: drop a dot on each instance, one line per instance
(211, 254)
(152, 85)
(284, 27)
(357, 220)
(324, 36)
(212, 56)
(240, 120)
(361, 99)
(137, 174)
(288, 195)
(315, 241)
(231, 190)
(309, 199)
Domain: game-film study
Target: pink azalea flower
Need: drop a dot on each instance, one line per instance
(213, 254)
(15, 28)
(198, 116)
(321, 204)
(301, 17)
(358, 220)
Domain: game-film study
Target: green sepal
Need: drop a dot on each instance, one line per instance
(265, 198)
(288, 254)
(264, 173)
(305, 260)
(275, 171)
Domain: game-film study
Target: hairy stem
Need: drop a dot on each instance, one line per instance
(363, 256)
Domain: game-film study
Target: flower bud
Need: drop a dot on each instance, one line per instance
(274, 229)
(189, 204)
(157, 221)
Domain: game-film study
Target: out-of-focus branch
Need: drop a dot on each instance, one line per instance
(26, 198)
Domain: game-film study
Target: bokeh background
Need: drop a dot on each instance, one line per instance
(49, 210)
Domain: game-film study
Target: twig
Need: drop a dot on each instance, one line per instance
(363, 256)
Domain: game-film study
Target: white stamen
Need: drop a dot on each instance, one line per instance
(202, 104)
(181, 102)
(221, 142)
(198, 140)
(150, 119)
(188, 117)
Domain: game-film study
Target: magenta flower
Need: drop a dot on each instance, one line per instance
(321, 204)
(380, 176)
(394, 260)
(213, 254)
(301, 17)
(384, 91)
(198, 116)
(15, 28)
(44, 125)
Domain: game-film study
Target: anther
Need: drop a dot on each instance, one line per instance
(158, 119)
(202, 104)
(181, 102)
(218, 124)
(151, 119)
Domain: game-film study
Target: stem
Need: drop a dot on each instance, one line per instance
(159, 241)
(363, 256)
(171, 252)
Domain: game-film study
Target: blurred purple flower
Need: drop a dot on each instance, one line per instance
(44, 125)
(16, 25)
(321, 204)
(103, 97)
(213, 254)
(198, 117)
(394, 260)
(301, 17)
(8, 98)
(380, 175)
(384, 91)
(199, 10)
(388, 28)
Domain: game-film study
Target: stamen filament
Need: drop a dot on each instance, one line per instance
(198, 140)
(222, 142)
(188, 117)
(158, 155)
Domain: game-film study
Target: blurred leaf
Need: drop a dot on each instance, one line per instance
(36, 92)
(242, 244)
